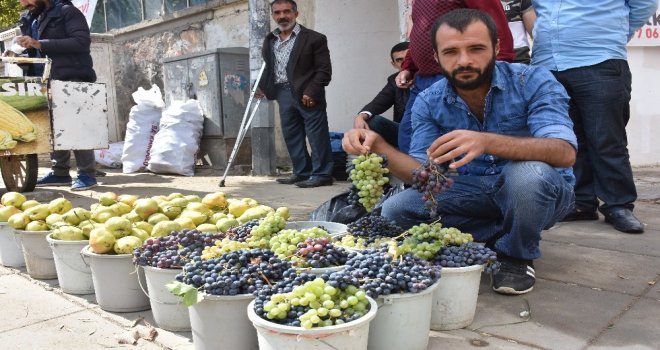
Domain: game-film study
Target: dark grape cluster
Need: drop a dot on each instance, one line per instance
(467, 255)
(430, 179)
(241, 233)
(319, 253)
(353, 196)
(379, 274)
(371, 227)
(238, 272)
(174, 250)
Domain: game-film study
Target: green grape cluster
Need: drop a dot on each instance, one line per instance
(222, 247)
(285, 243)
(324, 304)
(423, 240)
(358, 243)
(454, 236)
(369, 176)
(268, 227)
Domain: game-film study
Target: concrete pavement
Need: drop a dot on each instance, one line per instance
(596, 288)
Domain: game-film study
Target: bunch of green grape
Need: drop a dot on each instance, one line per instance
(316, 304)
(285, 243)
(222, 247)
(356, 242)
(368, 177)
(454, 236)
(268, 227)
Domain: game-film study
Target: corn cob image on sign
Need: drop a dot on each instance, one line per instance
(25, 123)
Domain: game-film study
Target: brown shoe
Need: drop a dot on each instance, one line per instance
(291, 179)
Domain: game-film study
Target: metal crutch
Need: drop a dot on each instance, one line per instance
(245, 124)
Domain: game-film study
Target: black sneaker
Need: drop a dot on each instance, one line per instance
(514, 276)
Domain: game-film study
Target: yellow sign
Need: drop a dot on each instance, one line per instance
(25, 124)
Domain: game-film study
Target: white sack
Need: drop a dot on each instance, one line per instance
(176, 144)
(110, 157)
(142, 126)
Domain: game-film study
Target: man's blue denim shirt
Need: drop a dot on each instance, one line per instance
(522, 101)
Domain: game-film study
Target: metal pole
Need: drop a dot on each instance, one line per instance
(245, 124)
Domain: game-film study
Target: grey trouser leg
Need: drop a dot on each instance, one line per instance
(84, 159)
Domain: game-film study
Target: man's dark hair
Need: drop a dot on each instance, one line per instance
(460, 19)
(294, 6)
(399, 47)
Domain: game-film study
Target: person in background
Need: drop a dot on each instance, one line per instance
(585, 48)
(390, 96)
(421, 68)
(58, 30)
(521, 17)
(297, 71)
(510, 139)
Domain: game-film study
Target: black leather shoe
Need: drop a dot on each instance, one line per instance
(623, 220)
(315, 182)
(580, 215)
(291, 179)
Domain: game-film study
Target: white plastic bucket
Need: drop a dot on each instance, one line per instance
(455, 299)
(11, 253)
(402, 321)
(322, 270)
(73, 273)
(168, 310)
(220, 322)
(38, 256)
(353, 335)
(115, 285)
(333, 228)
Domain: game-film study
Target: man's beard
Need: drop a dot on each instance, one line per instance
(286, 25)
(482, 76)
(38, 8)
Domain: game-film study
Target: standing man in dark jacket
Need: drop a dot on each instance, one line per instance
(390, 96)
(58, 30)
(297, 71)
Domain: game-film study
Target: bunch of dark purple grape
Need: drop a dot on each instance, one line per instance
(468, 254)
(237, 272)
(379, 274)
(174, 250)
(241, 233)
(430, 179)
(371, 227)
(319, 253)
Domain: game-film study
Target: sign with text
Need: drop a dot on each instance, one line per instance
(25, 125)
(649, 34)
(87, 7)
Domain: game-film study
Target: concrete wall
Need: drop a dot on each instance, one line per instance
(360, 36)
(643, 140)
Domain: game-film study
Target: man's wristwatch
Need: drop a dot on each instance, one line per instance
(366, 116)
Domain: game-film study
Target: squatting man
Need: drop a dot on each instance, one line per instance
(505, 129)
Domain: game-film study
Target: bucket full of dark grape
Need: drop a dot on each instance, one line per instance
(308, 313)
(403, 286)
(455, 299)
(115, 284)
(162, 260)
(226, 285)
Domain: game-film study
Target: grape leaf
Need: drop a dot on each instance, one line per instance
(186, 292)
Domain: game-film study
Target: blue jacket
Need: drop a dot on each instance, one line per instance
(65, 39)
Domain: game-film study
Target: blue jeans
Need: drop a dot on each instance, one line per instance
(600, 110)
(300, 123)
(405, 127)
(507, 210)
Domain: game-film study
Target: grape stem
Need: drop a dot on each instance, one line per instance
(265, 278)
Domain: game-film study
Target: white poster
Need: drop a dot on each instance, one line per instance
(87, 7)
(649, 34)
